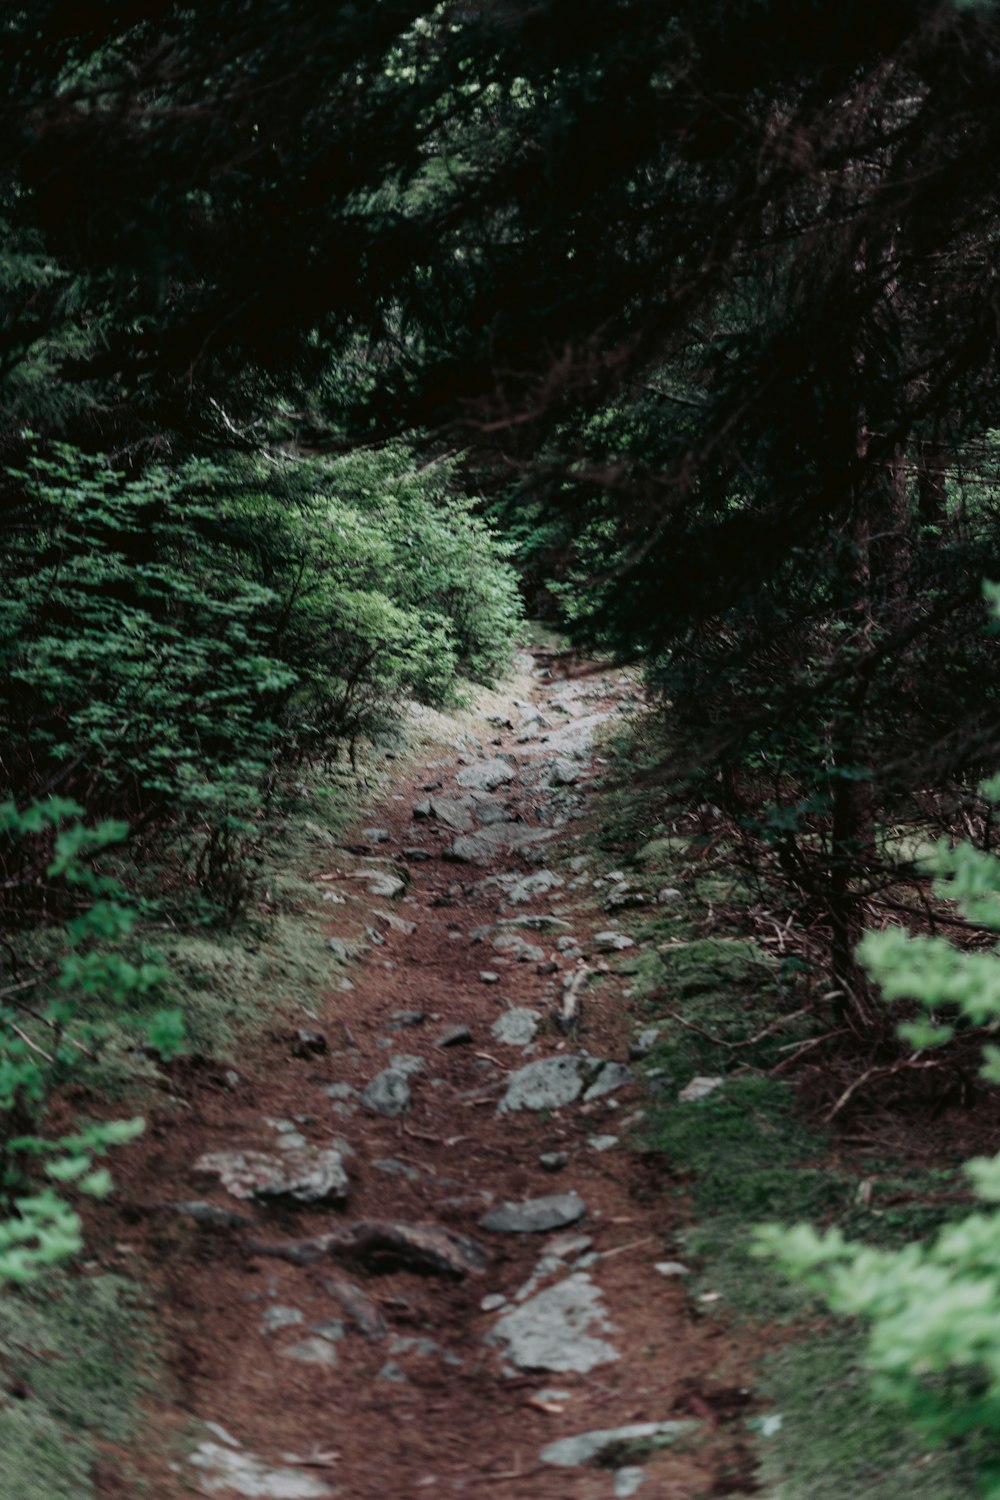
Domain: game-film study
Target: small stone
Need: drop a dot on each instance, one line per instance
(602, 1142)
(557, 1328)
(493, 1302)
(613, 942)
(627, 1481)
(393, 1168)
(487, 775)
(312, 1351)
(565, 943)
(242, 1473)
(672, 1268)
(553, 1161)
(537, 884)
(547, 968)
(489, 976)
(514, 946)
(454, 1037)
(397, 924)
(699, 1088)
(561, 773)
(381, 883)
(547, 1083)
(309, 1043)
(341, 1091)
(339, 948)
(388, 1094)
(613, 1075)
(374, 835)
(407, 1063)
(516, 1027)
(402, 1018)
(423, 809)
(573, 1451)
(280, 1317)
(232, 1079)
(668, 894)
(392, 1371)
(535, 1215)
(565, 1246)
(644, 1043)
(415, 855)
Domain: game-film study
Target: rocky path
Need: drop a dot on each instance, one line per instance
(413, 1249)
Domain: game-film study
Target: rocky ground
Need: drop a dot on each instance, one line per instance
(413, 1246)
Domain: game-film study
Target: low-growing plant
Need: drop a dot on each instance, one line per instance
(44, 1032)
(932, 1307)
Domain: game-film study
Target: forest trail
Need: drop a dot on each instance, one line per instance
(425, 1347)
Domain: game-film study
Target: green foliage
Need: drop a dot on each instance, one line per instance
(172, 644)
(44, 1033)
(932, 1308)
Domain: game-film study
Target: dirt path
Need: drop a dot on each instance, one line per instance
(446, 1359)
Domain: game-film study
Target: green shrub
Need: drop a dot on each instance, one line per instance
(44, 1031)
(172, 643)
(932, 1308)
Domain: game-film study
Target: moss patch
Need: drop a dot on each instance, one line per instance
(74, 1354)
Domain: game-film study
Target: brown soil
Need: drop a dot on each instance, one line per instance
(450, 1428)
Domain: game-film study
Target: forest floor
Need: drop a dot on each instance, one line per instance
(423, 1349)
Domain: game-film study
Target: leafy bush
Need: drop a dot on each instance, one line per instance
(933, 1308)
(44, 1030)
(171, 643)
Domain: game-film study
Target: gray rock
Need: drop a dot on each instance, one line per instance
(489, 976)
(308, 1043)
(313, 1350)
(329, 1328)
(396, 924)
(516, 1027)
(486, 775)
(513, 945)
(644, 1043)
(699, 1088)
(560, 773)
(415, 854)
(392, 1371)
(535, 1215)
(407, 1063)
(613, 1075)
(226, 1469)
(454, 1037)
(395, 1168)
(548, 1083)
(613, 942)
(573, 1451)
(424, 809)
(627, 1481)
(555, 1330)
(493, 1302)
(381, 883)
(210, 1214)
(565, 1246)
(672, 1268)
(668, 895)
(310, 1176)
(483, 847)
(530, 886)
(280, 1317)
(602, 1142)
(388, 1094)
(342, 1091)
(537, 921)
(374, 835)
(402, 1018)
(339, 948)
(553, 1161)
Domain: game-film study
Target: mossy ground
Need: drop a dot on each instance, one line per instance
(745, 1154)
(75, 1352)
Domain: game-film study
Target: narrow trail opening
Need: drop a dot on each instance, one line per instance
(415, 1250)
